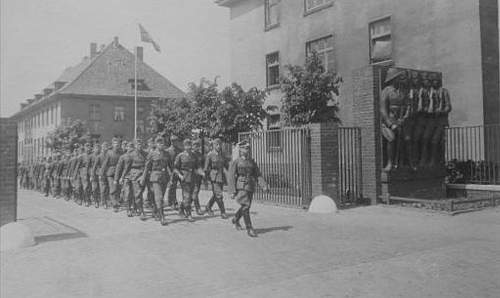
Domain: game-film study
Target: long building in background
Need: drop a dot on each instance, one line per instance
(100, 91)
(457, 38)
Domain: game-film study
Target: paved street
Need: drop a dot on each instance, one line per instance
(363, 252)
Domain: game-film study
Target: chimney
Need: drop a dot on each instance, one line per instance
(140, 53)
(38, 96)
(30, 100)
(115, 41)
(47, 91)
(93, 50)
(58, 85)
(23, 105)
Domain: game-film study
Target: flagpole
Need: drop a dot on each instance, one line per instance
(135, 93)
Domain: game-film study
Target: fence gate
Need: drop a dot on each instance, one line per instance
(284, 158)
(350, 179)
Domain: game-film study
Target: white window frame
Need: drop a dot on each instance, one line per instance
(269, 5)
(323, 52)
(380, 36)
(268, 72)
(317, 6)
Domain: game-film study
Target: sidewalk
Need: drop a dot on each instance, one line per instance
(363, 252)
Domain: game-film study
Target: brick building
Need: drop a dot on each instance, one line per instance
(457, 38)
(98, 90)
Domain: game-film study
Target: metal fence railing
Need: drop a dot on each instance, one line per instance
(350, 179)
(284, 159)
(473, 154)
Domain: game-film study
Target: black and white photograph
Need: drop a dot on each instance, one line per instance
(249, 148)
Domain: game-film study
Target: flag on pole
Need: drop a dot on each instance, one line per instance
(146, 37)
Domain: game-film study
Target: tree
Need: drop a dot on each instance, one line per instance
(216, 113)
(308, 93)
(66, 135)
(172, 116)
(240, 111)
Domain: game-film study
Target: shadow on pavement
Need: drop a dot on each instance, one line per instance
(273, 229)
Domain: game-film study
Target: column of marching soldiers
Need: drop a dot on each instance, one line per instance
(139, 176)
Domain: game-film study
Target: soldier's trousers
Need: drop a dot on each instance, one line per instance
(217, 197)
(56, 186)
(187, 196)
(172, 191)
(114, 191)
(103, 189)
(65, 187)
(94, 185)
(244, 198)
(85, 187)
(133, 193)
(196, 192)
(46, 186)
(158, 189)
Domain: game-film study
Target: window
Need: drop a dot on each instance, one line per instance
(273, 70)
(324, 48)
(141, 85)
(119, 113)
(272, 14)
(380, 40)
(95, 112)
(274, 132)
(315, 5)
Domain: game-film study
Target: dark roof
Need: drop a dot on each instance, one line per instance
(110, 74)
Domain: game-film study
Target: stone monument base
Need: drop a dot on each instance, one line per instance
(424, 183)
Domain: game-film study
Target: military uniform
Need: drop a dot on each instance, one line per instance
(56, 182)
(243, 177)
(185, 165)
(159, 170)
(215, 165)
(46, 175)
(108, 169)
(134, 179)
(65, 184)
(101, 178)
(93, 178)
(172, 151)
(197, 179)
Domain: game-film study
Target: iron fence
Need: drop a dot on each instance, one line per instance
(473, 154)
(284, 159)
(350, 186)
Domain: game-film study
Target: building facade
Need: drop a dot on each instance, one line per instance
(100, 91)
(457, 38)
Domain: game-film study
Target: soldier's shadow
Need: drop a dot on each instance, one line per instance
(273, 229)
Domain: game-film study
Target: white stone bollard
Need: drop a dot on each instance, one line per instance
(323, 204)
(15, 235)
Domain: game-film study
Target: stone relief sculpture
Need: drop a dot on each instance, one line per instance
(414, 110)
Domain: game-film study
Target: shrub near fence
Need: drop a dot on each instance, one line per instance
(473, 154)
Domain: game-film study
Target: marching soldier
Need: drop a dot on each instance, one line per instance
(159, 171)
(56, 182)
(120, 166)
(186, 166)
(243, 176)
(102, 181)
(108, 170)
(173, 151)
(64, 176)
(197, 178)
(47, 171)
(73, 174)
(83, 173)
(215, 166)
(134, 177)
(93, 178)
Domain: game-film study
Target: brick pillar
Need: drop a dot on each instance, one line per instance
(8, 171)
(325, 160)
(366, 116)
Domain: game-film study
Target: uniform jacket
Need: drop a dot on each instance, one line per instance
(186, 165)
(244, 174)
(158, 166)
(215, 166)
(108, 167)
(134, 165)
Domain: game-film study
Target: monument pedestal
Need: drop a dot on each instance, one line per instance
(424, 183)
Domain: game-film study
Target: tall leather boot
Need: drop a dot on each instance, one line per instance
(222, 209)
(197, 207)
(188, 213)
(182, 211)
(163, 220)
(248, 223)
(236, 219)
(209, 206)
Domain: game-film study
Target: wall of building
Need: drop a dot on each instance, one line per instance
(8, 171)
(79, 108)
(434, 35)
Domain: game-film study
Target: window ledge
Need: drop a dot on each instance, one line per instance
(389, 62)
(316, 9)
(271, 27)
